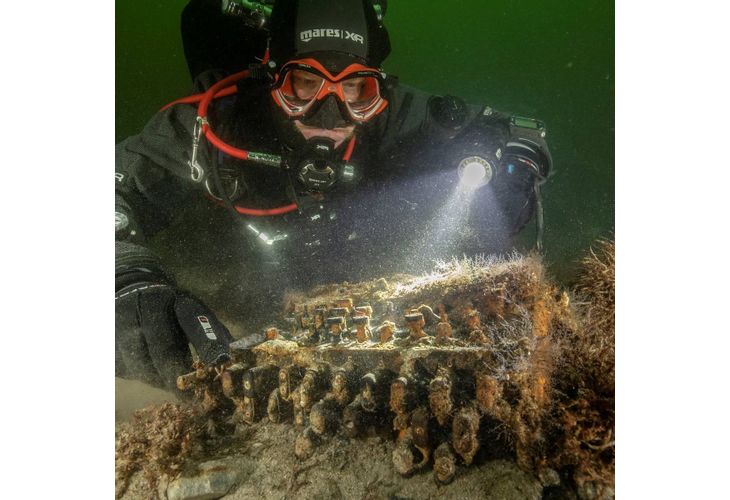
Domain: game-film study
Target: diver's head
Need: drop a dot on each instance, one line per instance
(328, 55)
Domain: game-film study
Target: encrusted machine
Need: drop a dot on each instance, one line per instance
(451, 366)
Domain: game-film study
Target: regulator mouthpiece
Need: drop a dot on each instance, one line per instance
(319, 170)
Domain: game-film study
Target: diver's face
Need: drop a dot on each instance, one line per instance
(338, 134)
(306, 86)
(326, 105)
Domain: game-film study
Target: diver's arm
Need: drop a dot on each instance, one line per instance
(141, 209)
(154, 319)
(519, 160)
(525, 165)
(147, 191)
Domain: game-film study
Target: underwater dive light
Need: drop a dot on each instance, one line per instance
(474, 172)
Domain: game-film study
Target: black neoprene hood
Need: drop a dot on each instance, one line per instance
(336, 32)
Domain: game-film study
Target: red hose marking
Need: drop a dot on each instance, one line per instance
(350, 149)
(263, 212)
(256, 212)
(195, 98)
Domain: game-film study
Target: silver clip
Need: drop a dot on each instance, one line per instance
(196, 170)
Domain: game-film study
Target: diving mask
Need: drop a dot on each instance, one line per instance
(303, 85)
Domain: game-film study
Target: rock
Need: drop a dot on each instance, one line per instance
(212, 480)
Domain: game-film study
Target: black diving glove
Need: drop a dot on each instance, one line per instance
(155, 321)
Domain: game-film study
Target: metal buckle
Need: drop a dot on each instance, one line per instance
(197, 173)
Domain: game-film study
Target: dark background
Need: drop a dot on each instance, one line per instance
(552, 60)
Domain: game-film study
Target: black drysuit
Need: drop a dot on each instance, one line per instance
(402, 210)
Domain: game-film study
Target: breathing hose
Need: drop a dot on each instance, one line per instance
(224, 88)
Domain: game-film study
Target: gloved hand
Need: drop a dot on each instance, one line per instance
(154, 323)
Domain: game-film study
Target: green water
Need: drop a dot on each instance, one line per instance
(553, 60)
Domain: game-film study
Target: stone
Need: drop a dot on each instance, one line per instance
(212, 480)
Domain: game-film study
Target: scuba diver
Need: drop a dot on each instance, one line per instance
(305, 166)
